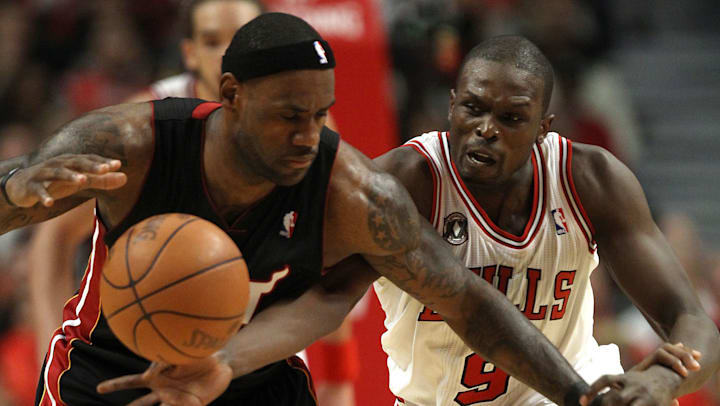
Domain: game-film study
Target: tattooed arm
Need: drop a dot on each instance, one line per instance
(372, 214)
(80, 161)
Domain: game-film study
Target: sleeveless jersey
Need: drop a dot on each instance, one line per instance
(280, 237)
(545, 272)
(182, 85)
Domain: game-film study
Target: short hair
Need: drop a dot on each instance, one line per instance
(187, 12)
(273, 43)
(271, 30)
(521, 53)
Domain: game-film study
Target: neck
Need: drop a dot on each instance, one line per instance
(231, 186)
(203, 91)
(509, 203)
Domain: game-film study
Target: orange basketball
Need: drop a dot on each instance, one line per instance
(174, 288)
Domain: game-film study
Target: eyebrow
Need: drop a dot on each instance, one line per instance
(520, 100)
(299, 109)
(515, 101)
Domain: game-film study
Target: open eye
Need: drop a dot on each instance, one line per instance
(511, 118)
(472, 108)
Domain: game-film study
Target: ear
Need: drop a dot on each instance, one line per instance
(189, 54)
(452, 103)
(230, 91)
(544, 127)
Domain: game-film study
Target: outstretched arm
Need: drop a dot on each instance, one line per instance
(641, 261)
(80, 161)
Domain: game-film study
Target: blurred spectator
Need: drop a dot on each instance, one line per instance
(18, 372)
(114, 66)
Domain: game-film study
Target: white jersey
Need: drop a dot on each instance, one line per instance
(545, 272)
(182, 85)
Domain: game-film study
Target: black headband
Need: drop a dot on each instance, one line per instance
(313, 54)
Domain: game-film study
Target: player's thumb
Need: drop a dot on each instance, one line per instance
(155, 369)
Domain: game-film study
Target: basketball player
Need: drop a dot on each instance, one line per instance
(532, 213)
(208, 28)
(244, 164)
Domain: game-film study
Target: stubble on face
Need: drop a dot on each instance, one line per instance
(495, 118)
(280, 124)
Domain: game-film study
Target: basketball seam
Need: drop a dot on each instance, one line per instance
(133, 283)
(171, 284)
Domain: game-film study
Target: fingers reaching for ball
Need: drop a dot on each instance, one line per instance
(61, 177)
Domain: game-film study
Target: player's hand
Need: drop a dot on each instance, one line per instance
(638, 387)
(63, 176)
(194, 384)
(677, 357)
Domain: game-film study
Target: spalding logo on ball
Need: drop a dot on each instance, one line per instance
(174, 288)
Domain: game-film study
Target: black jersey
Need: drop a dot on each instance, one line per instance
(280, 238)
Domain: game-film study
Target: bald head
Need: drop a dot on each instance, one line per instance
(519, 52)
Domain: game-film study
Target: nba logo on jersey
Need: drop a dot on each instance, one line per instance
(560, 224)
(289, 224)
(455, 228)
(321, 52)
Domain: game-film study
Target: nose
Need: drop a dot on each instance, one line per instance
(486, 129)
(306, 138)
(307, 135)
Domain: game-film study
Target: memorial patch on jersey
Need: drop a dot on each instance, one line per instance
(455, 228)
(560, 224)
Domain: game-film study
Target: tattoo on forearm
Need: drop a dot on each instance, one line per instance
(416, 266)
(25, 216)
(14, 221)
(389, 224)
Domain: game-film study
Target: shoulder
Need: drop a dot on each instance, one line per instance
(113, 132)
(609, 191)
(124, 130)
(413, 171)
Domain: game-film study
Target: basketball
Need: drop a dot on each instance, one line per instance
(174, 288)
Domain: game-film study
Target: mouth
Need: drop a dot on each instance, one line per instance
(480, 158)
(301, 161)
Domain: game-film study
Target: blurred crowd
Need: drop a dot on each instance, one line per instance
(61, 58)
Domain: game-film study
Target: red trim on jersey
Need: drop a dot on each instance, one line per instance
(80, 317)
(536, 216)
(572, 197)
(203, 110)
(297, 363)
(437, 185)
(574, 191)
